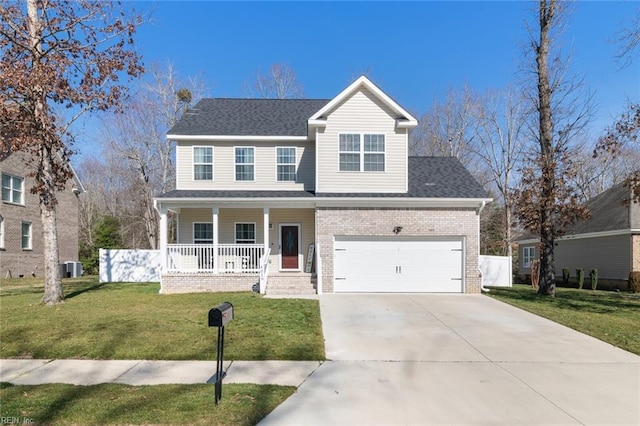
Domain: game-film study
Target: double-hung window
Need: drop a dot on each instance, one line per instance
(203, 233)
(12, 189)
(528, 256)
(26, 236)
(245, 233)
(245, 163)
(286, 164)
(202, 163)
(362, 152)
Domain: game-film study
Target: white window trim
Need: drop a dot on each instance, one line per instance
(528, 255)
(30, 246)
(294, 164)
(255, 232)
(362, 152)
(193, 232)
(22, 195)
(194, 164)
(1, 232)
(235, 176)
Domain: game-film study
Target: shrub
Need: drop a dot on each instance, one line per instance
(580, 276)
(634, 281)
(565, 277)
(593, 274)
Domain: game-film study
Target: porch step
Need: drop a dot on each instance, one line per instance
(281, 284)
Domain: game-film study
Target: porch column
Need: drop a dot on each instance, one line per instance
(163, 239)
(214, 212)
(265, 230)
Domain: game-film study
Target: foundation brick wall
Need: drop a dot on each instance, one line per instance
(428, 222)
(198, 283)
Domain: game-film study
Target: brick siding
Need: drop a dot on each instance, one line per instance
(31, 262)
(198, 283)
(426, 222)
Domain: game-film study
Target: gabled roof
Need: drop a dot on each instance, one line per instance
(404, 118)
(610, 213)
(247, 117)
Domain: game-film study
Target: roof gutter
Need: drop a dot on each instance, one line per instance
(205, 138)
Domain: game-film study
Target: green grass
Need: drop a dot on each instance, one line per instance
(133, 321)
(613, 317)
(107, 404)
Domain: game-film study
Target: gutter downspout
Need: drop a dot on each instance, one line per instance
(482, 288)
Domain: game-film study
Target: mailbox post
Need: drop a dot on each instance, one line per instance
(219, 317)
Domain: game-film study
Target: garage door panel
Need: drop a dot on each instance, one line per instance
(398, 265)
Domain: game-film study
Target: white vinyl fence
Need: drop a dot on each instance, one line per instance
(496, 271)
(136, 266)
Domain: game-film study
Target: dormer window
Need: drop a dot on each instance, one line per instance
(356, 156)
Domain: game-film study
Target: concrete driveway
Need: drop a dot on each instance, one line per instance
(459, 360)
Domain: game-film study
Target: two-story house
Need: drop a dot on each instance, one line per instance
(21, 245)
(316, 195)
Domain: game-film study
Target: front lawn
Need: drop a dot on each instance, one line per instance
(613, 317)
(133, 321)
(115, 404)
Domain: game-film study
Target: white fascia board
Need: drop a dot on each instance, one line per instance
(406, 124)
(202, 138)
(183, 203)
(317, 123)
(400, 202)
(600, 234)
(352, 88)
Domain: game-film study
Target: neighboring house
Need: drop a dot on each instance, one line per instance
(316, 196)
(21, 244)
(609, 241)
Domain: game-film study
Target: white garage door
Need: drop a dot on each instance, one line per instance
(397, 266)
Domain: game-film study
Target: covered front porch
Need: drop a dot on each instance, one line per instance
(235, 247)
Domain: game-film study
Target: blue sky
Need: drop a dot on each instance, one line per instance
(415, 51)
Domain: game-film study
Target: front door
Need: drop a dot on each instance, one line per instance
(289, 246)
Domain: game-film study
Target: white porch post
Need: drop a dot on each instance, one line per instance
(265, 231)
(214, 212)
(163, 239)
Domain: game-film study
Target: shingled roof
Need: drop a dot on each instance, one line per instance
(248, 117)
(429, 177)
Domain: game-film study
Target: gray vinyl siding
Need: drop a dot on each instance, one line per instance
(264, 166)
(521, 269)
(610, 255)
(362, 113)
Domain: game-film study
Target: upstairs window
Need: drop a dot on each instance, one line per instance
(357, 157)
(202, 163)
(286, 164)
(528, 256)
(374, 153)
(26, 236)
(245, 233)
(12, 189)
(203, 233)
(245, 163)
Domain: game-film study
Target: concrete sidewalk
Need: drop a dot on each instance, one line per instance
(137, 372)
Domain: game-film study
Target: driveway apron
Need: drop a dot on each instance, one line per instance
(459, 360)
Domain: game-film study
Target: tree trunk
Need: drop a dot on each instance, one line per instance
(547, 228)
(53, 292)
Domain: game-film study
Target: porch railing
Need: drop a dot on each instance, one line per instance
(264, 271)
(229, 258)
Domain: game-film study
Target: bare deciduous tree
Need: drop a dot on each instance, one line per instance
(499, 138)
(279, 82)
(58, 55)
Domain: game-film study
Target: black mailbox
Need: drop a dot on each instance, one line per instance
(220, 315)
